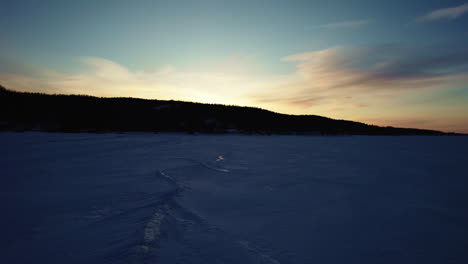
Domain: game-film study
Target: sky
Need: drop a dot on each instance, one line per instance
(389, 63)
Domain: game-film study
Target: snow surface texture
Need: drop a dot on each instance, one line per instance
(174, 198)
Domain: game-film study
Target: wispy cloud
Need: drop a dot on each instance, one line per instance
(227, 83)
(379, 67)
(351, 24)
(371, 81)
(445, 13)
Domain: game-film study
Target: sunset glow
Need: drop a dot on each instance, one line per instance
(378, 63)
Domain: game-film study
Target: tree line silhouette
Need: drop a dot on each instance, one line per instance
(22, 111)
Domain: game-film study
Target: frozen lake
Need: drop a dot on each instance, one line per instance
(176, 198)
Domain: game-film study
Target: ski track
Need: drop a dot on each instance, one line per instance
(206, 165)
(168, 212)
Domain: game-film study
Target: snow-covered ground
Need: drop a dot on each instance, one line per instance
(175, 198)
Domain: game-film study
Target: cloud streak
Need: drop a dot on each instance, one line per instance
(351, 24)
(445, 13)
(379, 67)
(382, 82)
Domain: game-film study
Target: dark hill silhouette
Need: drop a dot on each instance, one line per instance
(22, 111)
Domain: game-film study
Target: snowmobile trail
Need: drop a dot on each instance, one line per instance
(172, 226)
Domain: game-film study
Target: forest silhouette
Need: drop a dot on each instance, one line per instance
(22, 111)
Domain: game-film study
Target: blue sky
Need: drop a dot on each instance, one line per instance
(402, 63)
